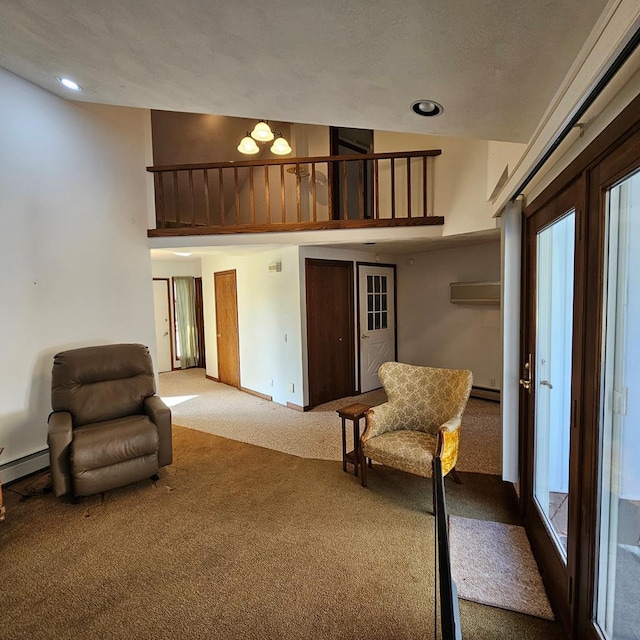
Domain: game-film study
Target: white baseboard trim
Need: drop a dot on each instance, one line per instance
(24, 466)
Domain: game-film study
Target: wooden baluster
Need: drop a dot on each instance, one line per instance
(298, 202)
(313, 191)
(393, 187)
(377, 188)
(360, 191)
(267, 200)
(253, 196)
(345, 204)
(424, 187)
(283, 206)
(206, 196)
(330, 167)
(193, 200)
(221, 182)
(175, 196)
(408, 187)
(237, 190)
(159, 184)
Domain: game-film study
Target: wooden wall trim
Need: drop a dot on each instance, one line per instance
(264, 396)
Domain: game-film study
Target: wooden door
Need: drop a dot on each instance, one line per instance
(551, 389)
(330, 328)
(227, 327)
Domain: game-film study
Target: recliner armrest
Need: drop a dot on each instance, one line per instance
(59, 438)
(160, 415)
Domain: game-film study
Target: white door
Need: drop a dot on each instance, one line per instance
(163, 327)
(376, 287)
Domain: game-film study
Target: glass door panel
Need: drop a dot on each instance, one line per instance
(617, 608)
(552, 375)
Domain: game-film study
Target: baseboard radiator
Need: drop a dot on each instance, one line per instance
(485, 393)
(22, 467)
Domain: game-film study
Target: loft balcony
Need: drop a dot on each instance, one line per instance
(295, 194)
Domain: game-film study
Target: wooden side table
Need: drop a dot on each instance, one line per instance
(353, 412)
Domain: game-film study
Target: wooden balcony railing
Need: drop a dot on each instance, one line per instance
(293, 194)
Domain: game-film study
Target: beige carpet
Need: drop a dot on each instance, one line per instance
(492, 563)
(240, 542)
(199, 403)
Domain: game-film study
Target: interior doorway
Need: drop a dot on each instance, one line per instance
(227, 336)
(376, 321)
(348, 175)
(330, 330)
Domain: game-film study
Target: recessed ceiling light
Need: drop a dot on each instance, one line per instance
(427, 108)
(180, 253)
(70, 84)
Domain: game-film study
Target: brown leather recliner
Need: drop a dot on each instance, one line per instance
(108, 428)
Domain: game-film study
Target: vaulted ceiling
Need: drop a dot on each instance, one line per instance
(493, 64)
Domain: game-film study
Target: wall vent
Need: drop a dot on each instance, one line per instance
(474, 293)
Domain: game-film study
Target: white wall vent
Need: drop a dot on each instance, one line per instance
(474, 292)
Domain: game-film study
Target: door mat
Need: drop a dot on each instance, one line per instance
(492, 564)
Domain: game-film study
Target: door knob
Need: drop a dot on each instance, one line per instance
(218, 335)
(546, 383)
(525, 381)
(166, 333)
(339, 339)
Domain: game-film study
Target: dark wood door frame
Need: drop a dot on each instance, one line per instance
(346, 356)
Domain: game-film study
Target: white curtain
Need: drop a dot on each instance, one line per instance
(185, 302)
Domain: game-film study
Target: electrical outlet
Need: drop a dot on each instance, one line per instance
(492, 382)
(291, 387)
(271, 382)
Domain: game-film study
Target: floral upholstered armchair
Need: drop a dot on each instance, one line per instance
(421, 419)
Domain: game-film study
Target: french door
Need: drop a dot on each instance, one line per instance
(580, 394)
(550, 386)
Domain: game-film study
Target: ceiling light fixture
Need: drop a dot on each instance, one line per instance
(427, 108)
(262, 133)
(70, 84)
(248, 145)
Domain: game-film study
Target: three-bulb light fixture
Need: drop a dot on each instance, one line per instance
(262, 133)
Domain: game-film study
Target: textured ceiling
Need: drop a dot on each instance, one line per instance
(493, 64)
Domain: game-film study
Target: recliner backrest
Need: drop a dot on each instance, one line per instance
(103, 382)
(428, 396)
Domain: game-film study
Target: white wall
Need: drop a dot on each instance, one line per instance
(460, 178)
(268, 310)
(74, 258)
(434, 332)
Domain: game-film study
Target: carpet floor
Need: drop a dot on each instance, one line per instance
(239, 541)
(199, 403)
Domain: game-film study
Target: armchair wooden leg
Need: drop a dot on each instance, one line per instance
(363, 467)
(155, 477)
(455, 476)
